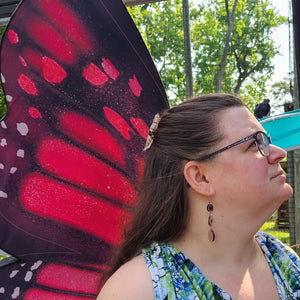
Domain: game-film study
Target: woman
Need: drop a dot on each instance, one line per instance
(211, 180)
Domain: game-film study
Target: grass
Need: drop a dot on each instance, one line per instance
(281, 234)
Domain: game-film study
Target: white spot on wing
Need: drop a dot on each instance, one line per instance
(2, 290)
(9, 98)
(20, 153)
(16, 293)
(3, 142)
(3, 125)
(28, 276)
(1, 166)
(3, 195)
(22, 128)
(13, 170)
(36, 265)
(13, 273)
(2, 78)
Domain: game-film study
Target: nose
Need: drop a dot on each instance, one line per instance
(276, 154)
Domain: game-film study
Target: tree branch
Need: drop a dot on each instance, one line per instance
(221, 70)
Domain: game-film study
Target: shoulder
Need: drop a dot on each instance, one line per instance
(276, 247)
(130, 281)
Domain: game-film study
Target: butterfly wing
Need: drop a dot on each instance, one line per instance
(82, 91)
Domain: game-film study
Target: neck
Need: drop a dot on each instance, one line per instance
(233, 245)
(225, 250)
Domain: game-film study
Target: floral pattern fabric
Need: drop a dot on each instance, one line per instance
(174, 276)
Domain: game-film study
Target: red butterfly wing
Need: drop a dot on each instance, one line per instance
(82, 90)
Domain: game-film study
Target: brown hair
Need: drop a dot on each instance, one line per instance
(186, 132)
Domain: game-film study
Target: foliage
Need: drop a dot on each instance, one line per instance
(249, 59)
(283, 235)
(253, 47)
(161, 27)
(230, 16)
(282, 92)
(3, 107)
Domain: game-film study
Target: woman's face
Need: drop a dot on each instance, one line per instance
(244, 181)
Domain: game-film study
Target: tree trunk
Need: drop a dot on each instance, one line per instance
(242, 77)
(238, 86)
(187, 49)
(220, 74)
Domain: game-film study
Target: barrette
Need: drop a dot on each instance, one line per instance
(151, 131)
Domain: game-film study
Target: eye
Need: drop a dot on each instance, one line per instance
(252, 145)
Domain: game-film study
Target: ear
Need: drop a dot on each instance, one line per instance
(194, 173)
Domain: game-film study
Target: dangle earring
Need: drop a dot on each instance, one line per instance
(210, 208)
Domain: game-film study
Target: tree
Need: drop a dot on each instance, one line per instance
(230, 18)
(252, 44)
(248, 62)
(282, 92)
(249, 59)
(161, 27)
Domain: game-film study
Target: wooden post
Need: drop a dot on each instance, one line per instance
(297, 175)
(297, 196)
(296, 30)
(291, 201)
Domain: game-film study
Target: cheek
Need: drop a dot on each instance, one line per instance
(255, 173)
(239, 177)
(256, 169)
(246, 177)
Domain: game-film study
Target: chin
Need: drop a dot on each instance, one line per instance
(290, 191)
(285, 196)
(278, 197)
(286, 193)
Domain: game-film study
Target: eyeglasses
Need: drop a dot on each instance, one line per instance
(262, 142)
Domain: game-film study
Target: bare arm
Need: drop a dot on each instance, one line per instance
(132, 281)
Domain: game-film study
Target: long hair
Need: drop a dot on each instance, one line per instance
(185, 132)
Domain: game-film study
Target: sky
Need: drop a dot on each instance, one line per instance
(283, 62)
(281, 37)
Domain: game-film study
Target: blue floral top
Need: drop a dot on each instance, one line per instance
(174, 276)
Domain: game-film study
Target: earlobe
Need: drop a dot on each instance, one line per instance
(194, 174)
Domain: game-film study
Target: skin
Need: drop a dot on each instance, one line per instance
(245, 189)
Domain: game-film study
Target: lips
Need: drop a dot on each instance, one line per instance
(280, 173)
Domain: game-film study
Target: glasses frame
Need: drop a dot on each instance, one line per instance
(252, 136)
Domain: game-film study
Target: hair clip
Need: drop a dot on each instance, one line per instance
(152, 129)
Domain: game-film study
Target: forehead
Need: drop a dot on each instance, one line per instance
(237, 123)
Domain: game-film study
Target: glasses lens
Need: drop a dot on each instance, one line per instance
(263, 143)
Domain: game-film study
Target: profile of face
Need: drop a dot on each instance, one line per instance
(245, 182)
